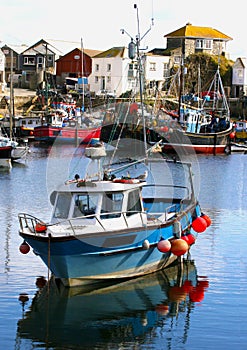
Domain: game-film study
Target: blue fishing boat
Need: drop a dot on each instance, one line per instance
(117, 227)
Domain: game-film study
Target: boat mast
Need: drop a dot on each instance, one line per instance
(134, 51)
(181, 83)
(11, 107)
(82, 73)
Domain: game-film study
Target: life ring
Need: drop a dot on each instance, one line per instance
(126, 181)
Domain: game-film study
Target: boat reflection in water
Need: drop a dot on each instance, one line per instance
(129, 312)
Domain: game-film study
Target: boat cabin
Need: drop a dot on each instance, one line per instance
(102, 204)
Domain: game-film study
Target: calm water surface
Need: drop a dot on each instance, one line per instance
(147, 313)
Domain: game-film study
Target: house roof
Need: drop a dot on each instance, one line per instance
(91, 53)
(113, 52)
(190, 31)
(241, 60)
(16, 48)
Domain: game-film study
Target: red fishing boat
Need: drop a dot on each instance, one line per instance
(58, 127)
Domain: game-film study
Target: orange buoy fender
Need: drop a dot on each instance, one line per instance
(179, 247)
(199, 224)
(164, 246)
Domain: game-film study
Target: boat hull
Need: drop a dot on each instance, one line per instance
(66, 134)
(204, 143)
(112, 255)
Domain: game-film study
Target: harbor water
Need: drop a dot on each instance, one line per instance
(144, 313)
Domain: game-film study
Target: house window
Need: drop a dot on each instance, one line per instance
(96, 67)
(96, 79)
(152, 66)
(108, 79)
(204, 44)
(177, 59)
(240, 73)
(165, 70)
(108, 67)
(29, 60)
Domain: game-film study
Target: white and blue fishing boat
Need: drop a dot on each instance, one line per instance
(117, 227)
(127, 220)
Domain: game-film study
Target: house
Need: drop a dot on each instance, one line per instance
(114, 72)
(156, 70)
(193, 39)
(70, 64)
(12, 60)
(37, 63)
(239, 77)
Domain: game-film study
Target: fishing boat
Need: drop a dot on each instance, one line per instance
(131, 311)
(121, 222)
(58, 126)
(117, 227)
(11, 150)
(205, 129)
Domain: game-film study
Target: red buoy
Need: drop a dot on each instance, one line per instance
(164, 246)
(179, 247)
(207, 219)
(199, 224)
(189, 238)
(24, 248)
(232, 135)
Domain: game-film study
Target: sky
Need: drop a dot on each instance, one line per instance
(98, 23)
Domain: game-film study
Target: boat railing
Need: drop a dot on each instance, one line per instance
(28, 221)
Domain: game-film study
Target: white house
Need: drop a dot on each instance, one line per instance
(115, 72)
(156, 70)
(110, 71)
(239, 77)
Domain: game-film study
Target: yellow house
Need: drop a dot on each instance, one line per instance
(194, 39)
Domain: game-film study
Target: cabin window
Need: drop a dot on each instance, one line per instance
(62, 206)
(134, 203)
(85, 205)
(111, 205)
